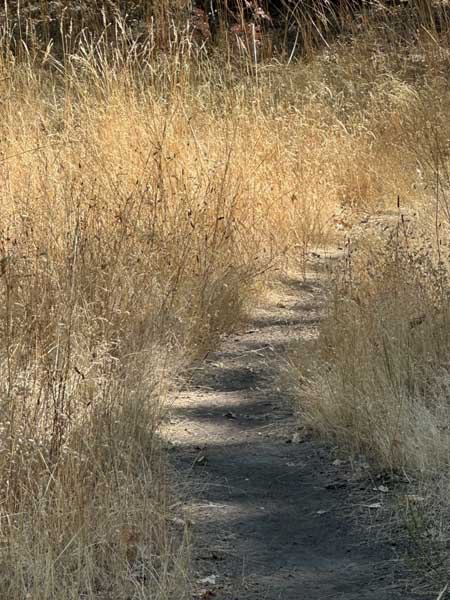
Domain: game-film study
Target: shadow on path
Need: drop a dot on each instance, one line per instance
(273, 517)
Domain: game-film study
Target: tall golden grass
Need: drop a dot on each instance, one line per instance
(376, 379)
(146, 183)
(140, 202)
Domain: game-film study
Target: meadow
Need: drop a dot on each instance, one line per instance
(150, 183)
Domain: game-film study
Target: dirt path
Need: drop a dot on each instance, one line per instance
(273, 516)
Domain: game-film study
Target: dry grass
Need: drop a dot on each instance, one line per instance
(377, 379)
(139, 206)
(147, 183)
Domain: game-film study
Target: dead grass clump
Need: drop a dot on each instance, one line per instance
(377, 378)
(136, 215)
(384, 344)
(118, 263)
(378, 382)
(383, 348)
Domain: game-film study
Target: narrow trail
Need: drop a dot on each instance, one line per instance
(273, 513)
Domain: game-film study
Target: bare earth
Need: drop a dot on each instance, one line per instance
(274, 515)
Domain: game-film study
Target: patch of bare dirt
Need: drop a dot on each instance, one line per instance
(274, 514)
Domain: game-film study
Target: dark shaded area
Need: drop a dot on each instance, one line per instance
(311, 22)
(278, 11)
(293, 529)
(307, 25)
(230, 379)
